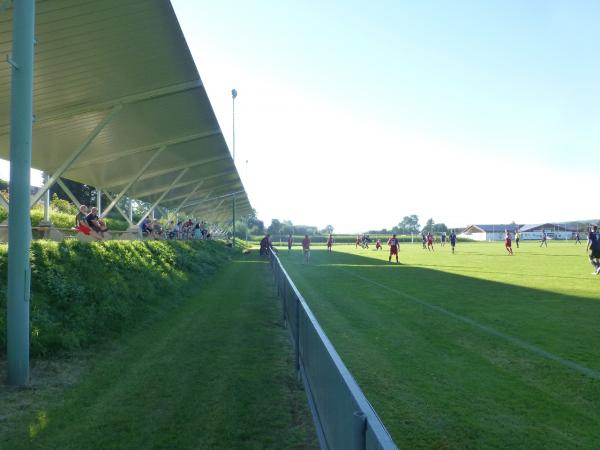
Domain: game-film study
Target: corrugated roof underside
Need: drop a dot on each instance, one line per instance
(94, 57)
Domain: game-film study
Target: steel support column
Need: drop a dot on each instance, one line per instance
(233, 215)
(99, 201)
(46, 202)
(19, 236)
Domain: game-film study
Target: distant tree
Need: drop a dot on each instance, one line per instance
(255, 226)
(86, 195)
(275, 227)
(287, 227)
(440, 228)
(328, 229)
(429, 226)
(409, 225)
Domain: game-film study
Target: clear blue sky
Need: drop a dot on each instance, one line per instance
(358, 113)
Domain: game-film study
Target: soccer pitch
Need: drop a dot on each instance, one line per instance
(472, 350)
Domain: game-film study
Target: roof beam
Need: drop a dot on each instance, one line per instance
(134, 179)
(68, 192)
(187, 197)
(230, 194)
(42, 118)
(122, 154)
(155, 204)
(157, 173)
(142, 194)
(78, 151)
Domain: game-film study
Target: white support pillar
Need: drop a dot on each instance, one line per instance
(71, 159)
(131, 211)
(99, 201)
(179, 177)
(46, 221)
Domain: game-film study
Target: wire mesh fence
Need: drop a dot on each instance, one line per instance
(343, 416)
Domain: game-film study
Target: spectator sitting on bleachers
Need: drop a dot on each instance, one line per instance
(81, 224)
(197, 232)
(95, 223)
(146, 227)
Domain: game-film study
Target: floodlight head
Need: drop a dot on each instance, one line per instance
(234, 93)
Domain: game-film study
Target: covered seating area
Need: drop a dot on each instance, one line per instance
(108, 95)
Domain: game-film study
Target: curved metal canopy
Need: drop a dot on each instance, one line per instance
(119, 105)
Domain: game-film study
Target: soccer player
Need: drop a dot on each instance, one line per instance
(577, 238)
(508, 242)
(394, 245)
(430, 242)
(544, 238)
(329, 243)
(453, 240)
(358, 242)
(378, 245)
(517, 237)
(306, 248)
(593, 244)
(290, 242)
(424, 238)
(443, 238)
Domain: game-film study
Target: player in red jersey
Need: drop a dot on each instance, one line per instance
(430, 242)
(306, 248)
(378, 245)
(329, 242)
(394, 245)
(508, 242)
(290, 242)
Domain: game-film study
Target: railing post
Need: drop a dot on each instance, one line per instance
(284, 302)
(360, 428)
(297, 337)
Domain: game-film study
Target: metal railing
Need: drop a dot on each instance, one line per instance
(343, 416)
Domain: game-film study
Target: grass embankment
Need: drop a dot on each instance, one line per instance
(214, 373)
(83, 293)
(473, 350)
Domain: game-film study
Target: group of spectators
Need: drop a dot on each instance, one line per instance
(188, 230)
(88, 223)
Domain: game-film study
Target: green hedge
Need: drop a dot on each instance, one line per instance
(83, 293)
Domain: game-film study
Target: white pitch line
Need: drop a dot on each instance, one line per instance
(513, 340)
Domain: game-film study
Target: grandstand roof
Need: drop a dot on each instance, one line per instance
(116, 89)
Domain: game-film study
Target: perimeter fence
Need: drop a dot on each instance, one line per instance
(343, 416)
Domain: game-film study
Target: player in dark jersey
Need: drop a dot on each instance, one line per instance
(577, 238)
(544, 239)
(394, 245)
(424, 239)
(306, 248)
(358, 242)
(290, 242)
(593, 245)
(508, 242)
(443, 239)
(453, 240)
(329, 243)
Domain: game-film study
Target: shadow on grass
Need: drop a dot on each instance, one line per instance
(451, 361)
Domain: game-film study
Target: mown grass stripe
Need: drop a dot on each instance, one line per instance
(487, 329)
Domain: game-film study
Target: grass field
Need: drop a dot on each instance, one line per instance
(473, 350)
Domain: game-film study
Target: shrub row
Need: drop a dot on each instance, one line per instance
(83, 293)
